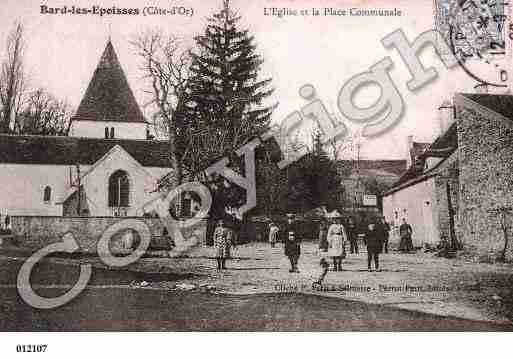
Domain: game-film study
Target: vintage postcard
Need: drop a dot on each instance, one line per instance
(263, 165)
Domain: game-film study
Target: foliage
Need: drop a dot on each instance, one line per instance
(12, 79)
(43, 114)
(314, 181)
(225, 107)
(226, 95)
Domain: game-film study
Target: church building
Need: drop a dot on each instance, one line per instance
(108, 165)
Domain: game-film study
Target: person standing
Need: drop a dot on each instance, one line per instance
(405, 232)
(387, 233)
(223, 240)
(273, 234)
(383, 229)
(292, 243)
(352, 235)
(337, 238)
(323, 235)
(7, 223)
(374, 244)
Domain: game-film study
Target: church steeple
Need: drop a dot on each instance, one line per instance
(108, 96)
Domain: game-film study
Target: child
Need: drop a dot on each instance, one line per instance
(324, 270)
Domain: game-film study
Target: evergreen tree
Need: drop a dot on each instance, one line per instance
(314, 180)
(226, 94)
(226, 100)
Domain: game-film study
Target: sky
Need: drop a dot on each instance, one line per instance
(325, 51)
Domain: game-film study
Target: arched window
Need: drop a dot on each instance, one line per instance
(119, 189)
(112, 132)
(47, 194)
(106, 132)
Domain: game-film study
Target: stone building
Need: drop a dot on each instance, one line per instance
(485, 135)
(460, 187)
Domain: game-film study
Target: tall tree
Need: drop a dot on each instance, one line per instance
(227, 97)
(226, 92)
(12, 79)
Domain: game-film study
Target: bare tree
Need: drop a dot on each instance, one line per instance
(166, 66)
(12, 79)
(43, 114)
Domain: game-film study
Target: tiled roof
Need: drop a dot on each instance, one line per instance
(442, 147)
(60, 150)
(108, 96)
(395, 167)
(502, 104)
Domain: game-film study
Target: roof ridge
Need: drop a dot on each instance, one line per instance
(108, 96)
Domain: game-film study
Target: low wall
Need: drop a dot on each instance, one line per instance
(36, 232)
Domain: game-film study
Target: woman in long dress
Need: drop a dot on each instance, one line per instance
(223, 240)
(337, 239)
(273, 234)
(323, 233)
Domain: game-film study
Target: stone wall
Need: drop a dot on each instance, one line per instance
(448, 174)
(486, 167)
(37, 232)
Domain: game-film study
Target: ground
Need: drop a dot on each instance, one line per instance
(413, 292)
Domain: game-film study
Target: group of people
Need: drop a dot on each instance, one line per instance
(333, 240)
(334, 237)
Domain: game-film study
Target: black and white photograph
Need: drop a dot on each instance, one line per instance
(255, 166)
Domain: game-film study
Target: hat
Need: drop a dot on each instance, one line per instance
(334, 214)
(290, 215)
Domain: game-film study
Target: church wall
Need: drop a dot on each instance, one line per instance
(96, 129)
(37, 232)
(22, 188)
(141, 184)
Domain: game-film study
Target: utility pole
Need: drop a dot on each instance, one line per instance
(79, 184)
(358, 145)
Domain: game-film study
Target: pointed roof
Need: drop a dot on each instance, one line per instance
(108, 96)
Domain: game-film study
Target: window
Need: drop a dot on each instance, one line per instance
(119, 189)
(106, 132)
(47, 195)
(112, 132)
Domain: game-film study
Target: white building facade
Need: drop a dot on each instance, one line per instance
(107, 166)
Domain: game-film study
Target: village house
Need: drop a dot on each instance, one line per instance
(364, 180)
(460, 187)
(109, 165)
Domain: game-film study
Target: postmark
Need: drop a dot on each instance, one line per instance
(478, 35)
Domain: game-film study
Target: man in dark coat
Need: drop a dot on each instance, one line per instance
(405, 232)
(373, 240)
(291, 240)
(383, 230)
(352, 235)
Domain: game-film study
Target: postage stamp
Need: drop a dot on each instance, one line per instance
(479, 33)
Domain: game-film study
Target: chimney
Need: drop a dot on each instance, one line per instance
(445, 116)
(409, 146)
